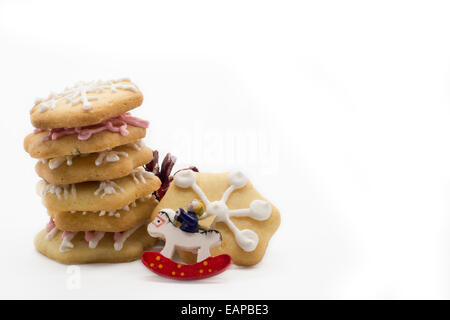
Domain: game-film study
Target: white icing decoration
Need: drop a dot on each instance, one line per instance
(174, 237)
(59, 189)
(118, 244)
(107, 187)
(51, 233)
(79, 93)
(258, 210)
(66, 243)
(74, 190)
(98, 235)
(56, 162)
(138, 145)
(109, 156)
(141, 175)
(112, 213)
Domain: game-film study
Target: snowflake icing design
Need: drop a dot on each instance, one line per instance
(140, 175)
(138, 145)
(258, 210)
(79, 93)
(59, 190)
(109, 155)
(107, 187)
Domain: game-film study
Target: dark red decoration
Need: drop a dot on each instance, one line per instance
(164, 173)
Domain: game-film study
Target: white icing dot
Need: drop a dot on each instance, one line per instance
(247, 239)
(237, 179)
(260, 210)
(184, 178)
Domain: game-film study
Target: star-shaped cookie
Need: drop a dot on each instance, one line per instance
(245, 219)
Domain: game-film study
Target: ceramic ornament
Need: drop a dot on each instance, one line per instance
(164, 226)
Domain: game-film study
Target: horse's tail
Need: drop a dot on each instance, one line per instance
(212, 235)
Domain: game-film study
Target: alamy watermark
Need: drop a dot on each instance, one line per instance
(73, 281)
(240, 148)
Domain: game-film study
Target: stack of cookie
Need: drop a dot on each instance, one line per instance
(95, 190)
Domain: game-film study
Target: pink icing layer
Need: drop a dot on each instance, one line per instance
(88, 236)
(65, 234)
(50, 225)
(117, 124)
(117, 235)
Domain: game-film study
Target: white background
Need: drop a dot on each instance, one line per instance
(338, 111)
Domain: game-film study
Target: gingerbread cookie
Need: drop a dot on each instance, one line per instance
(41, 145)
(244, 218)
(109, 221)
(105, 165)
(98, 195)
(91, 247)
(95, 188)
(85, 104)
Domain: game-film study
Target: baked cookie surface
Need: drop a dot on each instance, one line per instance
(108, 221)
(86, 103)
(245, 219)
(105, 251)
(98, 195)
(71, 145)
(105, 165)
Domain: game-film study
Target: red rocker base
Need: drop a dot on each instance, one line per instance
(166, 267)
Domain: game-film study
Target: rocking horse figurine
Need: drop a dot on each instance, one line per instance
(164, 226)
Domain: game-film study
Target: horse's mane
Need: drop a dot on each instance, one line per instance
(168, 217)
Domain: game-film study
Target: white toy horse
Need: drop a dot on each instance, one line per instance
(163, 226)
